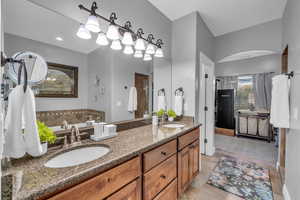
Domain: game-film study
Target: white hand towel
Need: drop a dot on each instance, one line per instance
(132, 101)
(31, 133)
(14, 145)
(161, 103)
(178, 105)
(280, 110)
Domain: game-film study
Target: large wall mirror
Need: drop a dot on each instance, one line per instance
(102, 78)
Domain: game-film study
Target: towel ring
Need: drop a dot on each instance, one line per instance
(179, 92)
(22, 66)
(161, 92)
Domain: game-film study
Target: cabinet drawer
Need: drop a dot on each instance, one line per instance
(159, 154)
(170, 193)
(104, 184)
(188, 138)
(130, 191)
(159, 177)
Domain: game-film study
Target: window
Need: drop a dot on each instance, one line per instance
(245, 95)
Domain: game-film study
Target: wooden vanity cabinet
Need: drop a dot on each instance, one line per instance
(162, 173)
(188, 160)
(132, 191)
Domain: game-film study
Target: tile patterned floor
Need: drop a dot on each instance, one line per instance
(199, 190)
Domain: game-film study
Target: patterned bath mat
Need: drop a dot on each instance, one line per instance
(244, 179)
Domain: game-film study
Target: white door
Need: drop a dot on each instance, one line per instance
(207, 105)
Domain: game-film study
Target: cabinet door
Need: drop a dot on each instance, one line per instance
(183, 170)
(129, 192)
(194, 155)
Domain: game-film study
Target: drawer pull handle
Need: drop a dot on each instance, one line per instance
(163, 176)
(163, 153)
(108, 180)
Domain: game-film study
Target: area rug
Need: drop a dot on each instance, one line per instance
(244, 179)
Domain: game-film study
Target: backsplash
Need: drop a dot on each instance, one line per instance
(56, 118)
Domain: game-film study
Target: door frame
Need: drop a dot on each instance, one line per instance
(282, 140)
(207, 98)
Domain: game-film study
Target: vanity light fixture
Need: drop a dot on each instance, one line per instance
(138, 54)
(113, 30)
(116, 31)
(159, 52)
(127, 37)
(116, 45)
(147, 57)
(83, 33)
(150, 47)
(140, 43)
(102, 39)
(128, 50)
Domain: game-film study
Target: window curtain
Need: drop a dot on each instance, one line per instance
(262, 88)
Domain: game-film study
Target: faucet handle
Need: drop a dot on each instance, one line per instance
(65, 141)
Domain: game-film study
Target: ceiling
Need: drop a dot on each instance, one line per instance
(38, 23)
(224, 16)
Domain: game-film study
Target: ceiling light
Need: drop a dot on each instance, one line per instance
(138, 54)
(150, 49)
(140, 45)
(102, 39)
(128, 50)
(92, 24)
(83, 33)
(127, 39)
(147, 57)
(113, 32)
(116, 45)
(59, 39)
(159, 53)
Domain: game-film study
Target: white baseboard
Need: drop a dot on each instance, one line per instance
(286, 194)
(211, 151)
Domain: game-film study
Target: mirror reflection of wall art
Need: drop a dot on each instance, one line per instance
(61, 82)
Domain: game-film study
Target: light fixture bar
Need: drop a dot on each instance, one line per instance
(92, 11)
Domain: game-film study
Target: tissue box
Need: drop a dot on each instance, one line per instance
(110, 129)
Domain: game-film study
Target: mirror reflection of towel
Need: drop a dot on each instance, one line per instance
(132, 101)
(178, 105)
(161, 102)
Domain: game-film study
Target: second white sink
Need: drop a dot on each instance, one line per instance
(77, 156)
(173, 125)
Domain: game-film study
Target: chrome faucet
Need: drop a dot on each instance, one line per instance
(74, 138)
(65, 125)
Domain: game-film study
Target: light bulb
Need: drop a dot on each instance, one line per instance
(102, 39)
(128, 50)
(116, 45)
(159, 53)
(127, 39)
(147, 57)
(138, 54)
(83, 33)
(140, 44)
(113, 32)
(150, 49)
(92, 24)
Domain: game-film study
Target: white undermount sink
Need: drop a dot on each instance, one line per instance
(173, 125)
(77, 156)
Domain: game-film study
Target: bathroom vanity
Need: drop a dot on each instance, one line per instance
(144, 163)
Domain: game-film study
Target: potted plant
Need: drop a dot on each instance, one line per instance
(46, 136)
(171, 115)
(161, 114)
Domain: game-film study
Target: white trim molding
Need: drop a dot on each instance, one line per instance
(286, 194)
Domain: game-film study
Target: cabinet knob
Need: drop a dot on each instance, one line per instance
(163, 176)
(108, 180)
(163, 153)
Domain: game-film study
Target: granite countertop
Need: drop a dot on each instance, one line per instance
(32, 180)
